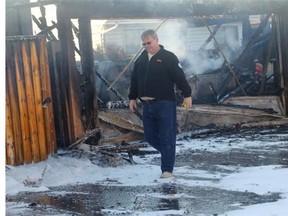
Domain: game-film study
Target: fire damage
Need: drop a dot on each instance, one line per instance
(238, 74)
(240, 84)
(237, 87)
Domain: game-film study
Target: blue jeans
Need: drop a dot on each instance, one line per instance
(159, 121)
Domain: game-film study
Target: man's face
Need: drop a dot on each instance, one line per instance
(150, 44)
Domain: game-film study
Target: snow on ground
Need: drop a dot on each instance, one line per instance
(68, 170)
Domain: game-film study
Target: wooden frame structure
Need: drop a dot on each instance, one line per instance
(71, 122)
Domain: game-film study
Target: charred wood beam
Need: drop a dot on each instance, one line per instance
(267, 56)
(69, 77)
(55, 62)
(77, 33)
(43, 22)
(91, 133)
(225, 59)
(225, 82)
(213, 90)
(210, 37)
(48, 30)
(95, 135)
(111, 88)
(121, 122)
(103, 80)
(75, 30)
(127, 137)
(77, 50)
(112, 156)
(44, 28)
(38, 23)
(252, 41)
(233, 93)
(245, 51)
(122, 148)
(86, 50)
(282, 47)
(117, 105)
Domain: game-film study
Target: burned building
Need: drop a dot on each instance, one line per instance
(240, 47)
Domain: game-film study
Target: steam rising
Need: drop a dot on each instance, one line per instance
(185, 40)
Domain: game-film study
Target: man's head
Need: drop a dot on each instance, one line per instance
(150, 41)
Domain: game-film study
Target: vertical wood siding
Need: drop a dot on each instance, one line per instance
(30, 130)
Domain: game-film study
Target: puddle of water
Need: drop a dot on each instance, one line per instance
(102, 200)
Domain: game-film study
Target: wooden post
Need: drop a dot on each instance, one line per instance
(72, 76)
(24, 121)
(55, 57)
(38, 100)
(282, 47)
(46, 93)
(10, 141)
(267, 55)
(30, 103)
(86, 49)
(14, 103)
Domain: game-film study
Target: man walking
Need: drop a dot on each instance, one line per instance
(155, 74)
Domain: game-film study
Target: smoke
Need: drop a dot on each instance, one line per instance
(184, 39)
(198, 63)
(172, 35)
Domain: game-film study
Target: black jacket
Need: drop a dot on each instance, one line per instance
(156, 78)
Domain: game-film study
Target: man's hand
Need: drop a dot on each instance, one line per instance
(133, 105)
(187, 103)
